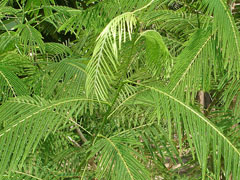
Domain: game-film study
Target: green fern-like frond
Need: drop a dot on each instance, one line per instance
(104, 61)
(197, 58)
(67, 78)
(227, 33)
(31, 38)
(8, 42)
(158, 58)
(71, 20)
(32, 119)
(207, 139)
(117, 159)
(11, 85)
(57, 49)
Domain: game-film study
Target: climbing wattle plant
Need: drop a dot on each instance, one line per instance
(116, 89)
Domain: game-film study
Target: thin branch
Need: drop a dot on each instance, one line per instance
(74, 142)
(79, 132)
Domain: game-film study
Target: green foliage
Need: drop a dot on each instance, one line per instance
(119, 89)
(104, 60)
(158, 57)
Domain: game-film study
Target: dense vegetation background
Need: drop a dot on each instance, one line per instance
(119, 89)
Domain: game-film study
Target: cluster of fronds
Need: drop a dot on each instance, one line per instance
(118, 89)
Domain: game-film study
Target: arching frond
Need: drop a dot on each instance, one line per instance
(207, 139)
(44, 162)
(227, 33)
(31, 38)
(118, 160)
(104, 60)
(190, 65)
(32, 119)
(158, 58)
(19, 64)
(10, 84)
(57, 49)
(67, 78)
